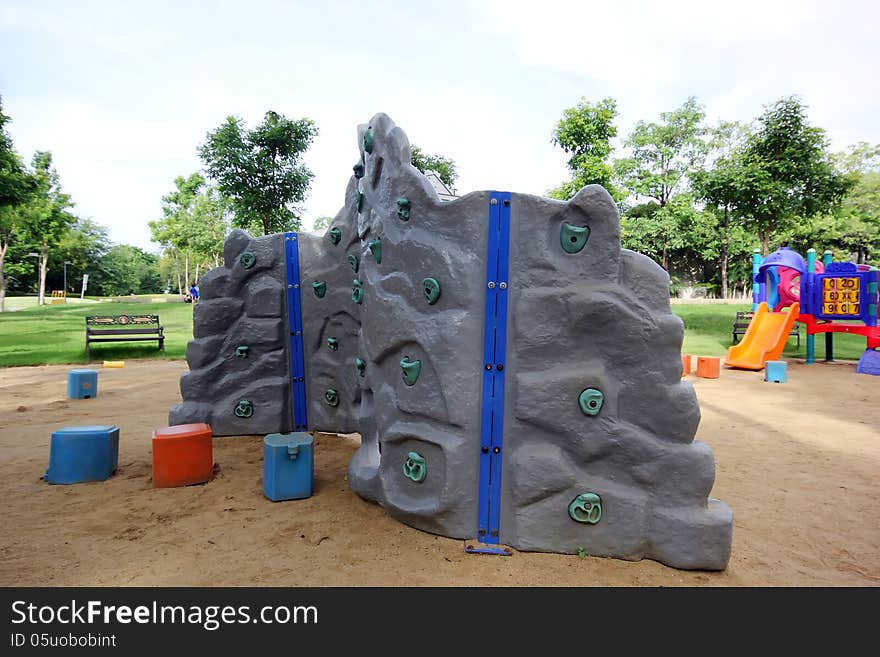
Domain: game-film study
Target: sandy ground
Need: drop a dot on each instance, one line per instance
(798, 463)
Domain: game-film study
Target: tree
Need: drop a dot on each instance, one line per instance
(260, 170)
(664, 154)
(323, 223)
(443, 166)
(45, 214)
(193, 227)
(15, 187)
(127, 270)
(584, 133)
(720, 186)
(791, 176)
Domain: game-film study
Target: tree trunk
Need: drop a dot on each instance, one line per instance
(198, 266)
(44, 266)
(177, 273)
(266, 223)
(3, 248)
(725, 247)
(186, 270)
(765, 242)
(664, 258)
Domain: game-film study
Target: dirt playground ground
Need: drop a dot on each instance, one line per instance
(798, 463)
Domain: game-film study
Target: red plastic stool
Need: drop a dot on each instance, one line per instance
(709, 367)
(182, 455)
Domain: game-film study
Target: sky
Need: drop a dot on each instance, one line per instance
(122, 93)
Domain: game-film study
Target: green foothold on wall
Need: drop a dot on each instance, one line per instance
(241, 351)
(574, 238)
(369, 139)
(361, 366)
(319, 288)
(431, 290)
(333, 343)
(415, 467)
(357, 291)
(247, 259)
(411, 370)
(590, 401)
(360, 201)
(353, 262)
(244, 409)
(331, 397)
(358, 170)
(586, 508)
(376, 249)
(335, 235)
(403, 208)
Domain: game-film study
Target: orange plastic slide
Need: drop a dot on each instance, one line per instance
(764, 340)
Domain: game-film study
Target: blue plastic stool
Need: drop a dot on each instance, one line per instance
(78, 454)
(776, 371)
(82, 384)
(288, 466)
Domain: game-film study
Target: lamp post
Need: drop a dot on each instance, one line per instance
(36, 255)
(66, 262)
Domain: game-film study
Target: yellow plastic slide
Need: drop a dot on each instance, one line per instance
(764, 340)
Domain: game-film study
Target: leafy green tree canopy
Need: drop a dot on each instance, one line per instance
(791, 174)
(585, 132)
(261, 170)
(665, 153)
(15, 183)
(444, 166)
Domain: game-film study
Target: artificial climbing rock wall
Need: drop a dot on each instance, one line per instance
(239, 378)
(515, 375)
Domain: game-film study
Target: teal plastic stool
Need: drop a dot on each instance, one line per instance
(288, 466)
(82, 384)
(776, 371)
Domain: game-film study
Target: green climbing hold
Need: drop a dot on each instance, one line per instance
(590, 401)
(358, 170)
(586, 508)
(376, 249)
(361, 366)
(247, 259)
(319, 288)
(331, 397)
(403, 208)
(357, 291)
(360, 201)
(574, 238)
(353, 262)
(369, 138)
(411, 370)
(431, 290)
(333, 343)
(241, 351)
(244, 409)
(415, 467)
(335, 235)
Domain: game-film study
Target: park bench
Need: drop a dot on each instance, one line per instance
(123, 328)
(743, 318)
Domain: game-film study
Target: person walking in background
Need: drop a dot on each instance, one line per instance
(194, 293)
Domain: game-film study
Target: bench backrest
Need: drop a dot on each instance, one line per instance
(122, 320)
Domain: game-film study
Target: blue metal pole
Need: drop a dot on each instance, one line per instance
(829, 337)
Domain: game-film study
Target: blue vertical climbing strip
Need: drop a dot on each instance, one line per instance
(494, 349)
(294, 318)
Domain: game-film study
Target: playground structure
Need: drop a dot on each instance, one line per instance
(822, 295)
(514, 374)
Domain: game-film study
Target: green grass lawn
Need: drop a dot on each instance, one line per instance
(56, 334)
(708, 327)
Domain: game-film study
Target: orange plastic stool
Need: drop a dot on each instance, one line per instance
(685, 365)
(182, 455)
(709, 367)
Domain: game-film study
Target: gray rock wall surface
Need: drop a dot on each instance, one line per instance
(387, 357)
